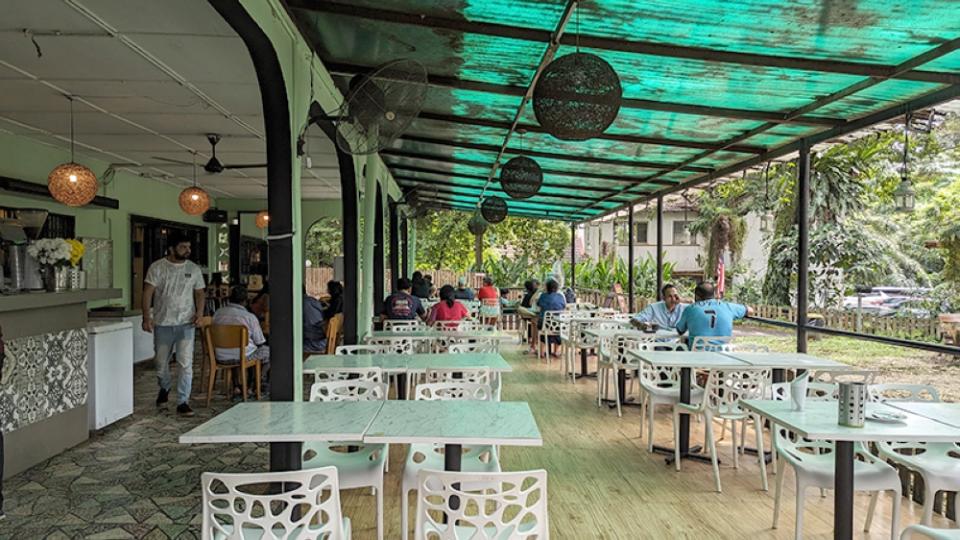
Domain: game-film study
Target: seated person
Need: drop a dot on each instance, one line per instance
(551, 300)
(260, 305)
(401, 305)
(233, 313)
(666, 314)
(335, 303)
(488, 291)
(447, 309)
(314, 325)
(528, 310)
(708, 316)
(463, 292)
(419, 286)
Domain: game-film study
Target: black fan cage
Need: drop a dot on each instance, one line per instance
(577, 97)
(494, 209)
(521, 177)
(477, 225)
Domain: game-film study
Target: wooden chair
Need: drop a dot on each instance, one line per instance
(230, 337)
(334, 332)
(202, 326)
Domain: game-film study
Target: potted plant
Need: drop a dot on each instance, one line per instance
(53, 254)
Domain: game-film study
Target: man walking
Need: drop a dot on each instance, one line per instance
(174, 287)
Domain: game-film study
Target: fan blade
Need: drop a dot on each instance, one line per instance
(247, 166)
(177, 161)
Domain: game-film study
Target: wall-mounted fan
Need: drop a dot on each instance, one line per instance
(213, 166)
(378, 108)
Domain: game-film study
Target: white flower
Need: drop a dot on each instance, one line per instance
(50, 251)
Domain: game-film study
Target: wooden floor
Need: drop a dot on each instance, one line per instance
(604, 484)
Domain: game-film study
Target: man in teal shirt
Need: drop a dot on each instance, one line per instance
(665, 314)
(708, 316)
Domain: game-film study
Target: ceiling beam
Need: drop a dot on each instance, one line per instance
(443, 204)
(669, 50)
(930, 100)
(619, 137)
(525, 212)
(477, 191)
(427, 170)
(903, 67)
(550, 155)
(444, 81)
(498, 187)
(573, 174)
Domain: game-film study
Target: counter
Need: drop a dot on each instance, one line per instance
(43, 397)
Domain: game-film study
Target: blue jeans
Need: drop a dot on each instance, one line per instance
(166, 340)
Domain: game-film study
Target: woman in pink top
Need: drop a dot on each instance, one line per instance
(448, 309)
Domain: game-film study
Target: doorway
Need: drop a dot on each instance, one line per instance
(148, 237)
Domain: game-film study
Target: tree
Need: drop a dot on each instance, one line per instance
(539, 240)
(443, 241)
(324, 241)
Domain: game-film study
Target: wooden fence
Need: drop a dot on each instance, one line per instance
(913, 328)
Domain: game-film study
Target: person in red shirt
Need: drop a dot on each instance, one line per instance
(488, 290)
(448, 308)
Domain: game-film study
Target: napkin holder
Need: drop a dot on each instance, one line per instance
(853, 402)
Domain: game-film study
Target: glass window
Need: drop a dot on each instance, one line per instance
(680, 234)
(640, 233)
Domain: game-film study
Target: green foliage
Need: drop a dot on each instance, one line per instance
(604, 273)
(443, 241)
(541, 241)
(324, 241)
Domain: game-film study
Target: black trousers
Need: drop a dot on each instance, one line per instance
(1, 471)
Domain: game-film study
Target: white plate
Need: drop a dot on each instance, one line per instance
(886, 417)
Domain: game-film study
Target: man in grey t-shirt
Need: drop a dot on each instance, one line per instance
(175, 288)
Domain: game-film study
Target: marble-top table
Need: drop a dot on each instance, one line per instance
(945, 413)
(287, 421)
(687, 361)
(779, 362)
(818, 420)
(438, 334)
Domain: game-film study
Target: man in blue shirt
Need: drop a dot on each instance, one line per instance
(708, 316)
(665, 314)
(401, 305)
(551, 300)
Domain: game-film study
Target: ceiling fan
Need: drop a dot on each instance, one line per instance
(214, 166)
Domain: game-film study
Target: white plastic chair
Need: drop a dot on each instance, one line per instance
(412, 325)
(361, 349)
(576, 339)
(233, 502)
(363, 467)
(422, 457)
(744, 347)
(903, 392)
(373, 374)
(555, 324)
(480, 375)
(506, 505)
(475, 346)
(710, 343)
(402, 344)
(721, 400)
(844, 375)
(660, 386)
(814, 465)
(911, 532)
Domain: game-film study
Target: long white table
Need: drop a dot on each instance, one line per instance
(818, 420)
(439, 334)
(945, 413)
(452, 423)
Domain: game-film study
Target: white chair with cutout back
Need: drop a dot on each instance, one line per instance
(361, 349)
(506, 505)
(710, 343)
(357, 465)
(555, 324)
(422, 457)
(396, 325)
(721, 401)
(307, 506)
(903, 392)
(660, 386)
(916, 532)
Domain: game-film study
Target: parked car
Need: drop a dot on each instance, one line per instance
(871, 299)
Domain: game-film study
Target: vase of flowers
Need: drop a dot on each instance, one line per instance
(53, 254)
(77, 277)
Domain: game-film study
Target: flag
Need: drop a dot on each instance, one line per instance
(721, 277)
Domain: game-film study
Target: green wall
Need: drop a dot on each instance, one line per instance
(28, 159)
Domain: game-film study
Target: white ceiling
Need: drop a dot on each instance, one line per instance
(149, 78)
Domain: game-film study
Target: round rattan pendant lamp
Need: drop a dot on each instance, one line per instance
(263, 219)
(577, 97)
(194, 200)
(477, 225)
(494, 209)
(71, 183)
(521, 177)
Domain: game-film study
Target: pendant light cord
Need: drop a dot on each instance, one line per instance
(70, 99)
(906, 144)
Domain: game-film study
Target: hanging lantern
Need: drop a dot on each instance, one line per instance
(904, 196)
(521, 177)
(71, 183)
(477, 225)
(577, 97)
(194, 201)
(263, 219)
(766, 222)
(494, 209)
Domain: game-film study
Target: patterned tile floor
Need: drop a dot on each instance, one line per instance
(131, 480)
